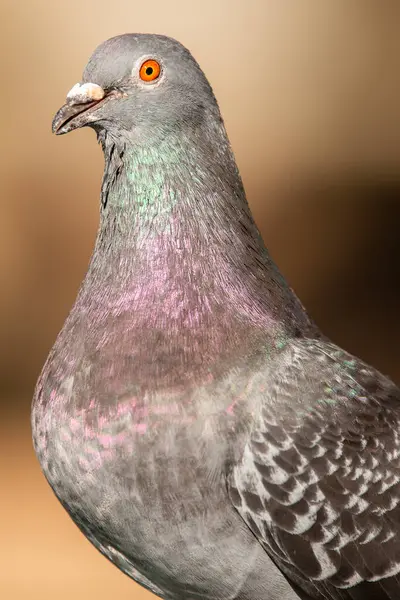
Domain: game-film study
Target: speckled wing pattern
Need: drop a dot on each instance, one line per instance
(319, 480)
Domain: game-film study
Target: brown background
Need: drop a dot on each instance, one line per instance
(310, 93)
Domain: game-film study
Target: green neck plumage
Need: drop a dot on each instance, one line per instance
(194, 182)
(176, 230)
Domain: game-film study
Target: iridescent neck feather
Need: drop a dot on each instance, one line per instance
(176, 231)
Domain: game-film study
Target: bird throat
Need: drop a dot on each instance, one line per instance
(175, 214)
(178, 261)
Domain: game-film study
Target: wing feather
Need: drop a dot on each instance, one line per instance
(319, 479)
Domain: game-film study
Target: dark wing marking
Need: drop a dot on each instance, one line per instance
(319, 479)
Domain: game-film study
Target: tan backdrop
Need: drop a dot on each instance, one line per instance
(310, 92)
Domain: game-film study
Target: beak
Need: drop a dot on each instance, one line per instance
(81, 107)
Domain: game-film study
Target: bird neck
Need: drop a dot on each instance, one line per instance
(177, 235)
(189, 180)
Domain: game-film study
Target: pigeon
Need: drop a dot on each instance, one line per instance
(192, 419)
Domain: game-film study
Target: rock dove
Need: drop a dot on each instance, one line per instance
(191, 418)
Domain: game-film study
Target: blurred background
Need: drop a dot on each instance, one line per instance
(310, 93)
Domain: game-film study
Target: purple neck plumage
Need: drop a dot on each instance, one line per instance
(178, 250)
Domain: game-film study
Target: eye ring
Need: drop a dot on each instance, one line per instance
(150, 70)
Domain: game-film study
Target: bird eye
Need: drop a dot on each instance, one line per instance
(150, 70)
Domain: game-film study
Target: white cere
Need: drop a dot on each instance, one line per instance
(87, 92)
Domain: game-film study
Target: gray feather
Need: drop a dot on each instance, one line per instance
(191, 418)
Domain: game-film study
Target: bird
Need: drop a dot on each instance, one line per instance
(192, 419)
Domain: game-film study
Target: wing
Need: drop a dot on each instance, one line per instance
(319, 480)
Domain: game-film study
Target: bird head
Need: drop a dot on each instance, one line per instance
(139, 85)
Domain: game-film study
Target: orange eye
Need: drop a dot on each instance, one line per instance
(150, 70)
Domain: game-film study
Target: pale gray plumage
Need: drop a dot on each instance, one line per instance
(191, 418)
